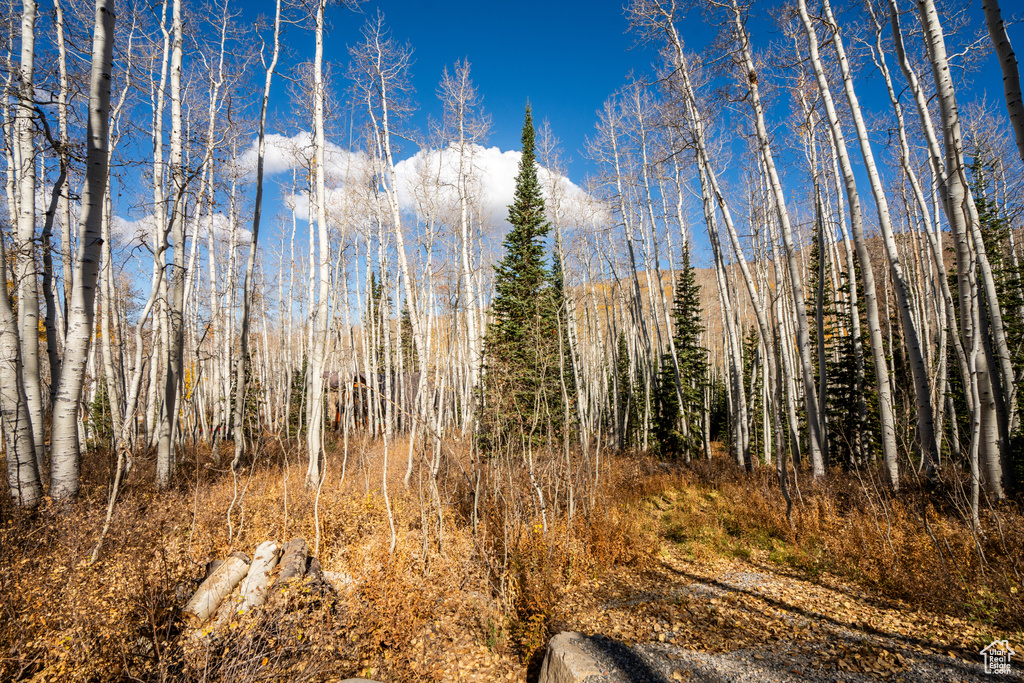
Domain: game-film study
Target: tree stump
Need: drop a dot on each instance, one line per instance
(215, 588)
(254, 587)
(293, 562)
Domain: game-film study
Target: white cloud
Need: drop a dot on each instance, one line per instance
(427, 178)
(493, 185)
(132, 232)
(285, 153)
(140, 231)
(346, 205)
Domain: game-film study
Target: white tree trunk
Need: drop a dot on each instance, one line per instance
(28, 286)
(886, 417)
(912, 336)
(65, 444)
(963, 223)
(254, 587)
(22, 468)
(1011, 74)
(793, 265)
(241, 378)
(175, 285)
(314, 471)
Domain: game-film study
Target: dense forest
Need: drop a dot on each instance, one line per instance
(792, 277)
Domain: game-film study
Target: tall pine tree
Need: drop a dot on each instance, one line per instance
(692, 357)
(522, 381)
(679, 428)
(627, 415)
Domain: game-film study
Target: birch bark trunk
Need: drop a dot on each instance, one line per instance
(792, 262)
(28, 286)
(64, 205)
(64, 474)
(919, 369)
(315, 411)
(732, 335)
(945, 307)
(241, 379)
(22, 467)
(958, 204)
(886, 417)
(176, 286)
(1011, 74)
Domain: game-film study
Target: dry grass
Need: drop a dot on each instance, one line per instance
(448, 604)
(443, 602)
(915, 547)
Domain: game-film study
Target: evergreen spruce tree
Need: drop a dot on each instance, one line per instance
(679, 398)
(377, 306)
(408, 349)
(719, 409)
(753, 386)
(856, 438)
(829, 327)
(563, 344)
(669, 440)
(522, 392)
(853, 439)
(626, 408)
(100, 422)
(253, 394)
(691, 356)
(297, 407)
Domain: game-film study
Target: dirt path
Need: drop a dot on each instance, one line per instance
(718, 619)
(752, 620)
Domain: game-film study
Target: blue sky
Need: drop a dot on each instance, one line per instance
(566, 57)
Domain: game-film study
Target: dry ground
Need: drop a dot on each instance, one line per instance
(815, 628)
(687, 557)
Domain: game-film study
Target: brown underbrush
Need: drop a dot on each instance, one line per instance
(461, 594)
(447, 602)
(916, 546)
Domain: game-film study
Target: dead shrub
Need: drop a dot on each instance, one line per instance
(450, 587)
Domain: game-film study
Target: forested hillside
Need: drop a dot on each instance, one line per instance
(300, 382)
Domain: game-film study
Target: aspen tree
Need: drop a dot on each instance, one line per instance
(733, 343)
(945, 305)
(749, 76)
(174, 284)
(112, 374)
(381, 70)
(64, 203)
(919, 368)
(886, 417)
(64, 472)
(241, 377)
(22, 467)
(317, 340)
(1008, 64)
(27, 282)
(468, 127)
(958, 203)
(610, 121)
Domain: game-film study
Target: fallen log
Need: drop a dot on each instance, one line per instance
(215, 588)
(211, 567)
(254, 587)
(316, 578)
(315, 572)
(293, 562)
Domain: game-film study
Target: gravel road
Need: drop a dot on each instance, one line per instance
(660, 663)
(839, 653)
